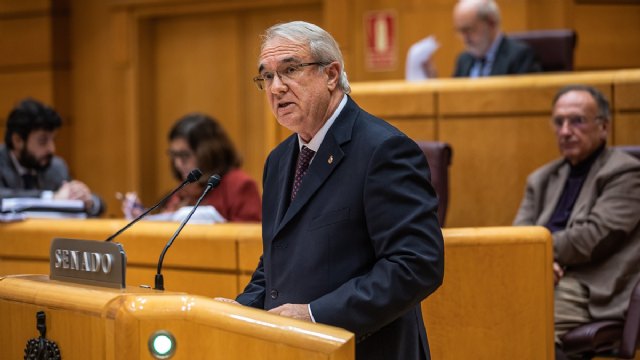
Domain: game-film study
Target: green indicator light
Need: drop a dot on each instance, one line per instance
(162, 344)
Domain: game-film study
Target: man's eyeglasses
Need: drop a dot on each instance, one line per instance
(285, 72)
(574, 121)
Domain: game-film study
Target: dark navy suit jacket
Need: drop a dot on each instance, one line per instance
(512, 57)
(360, 242)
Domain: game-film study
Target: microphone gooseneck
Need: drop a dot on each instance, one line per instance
(193, 176)
(211, 183)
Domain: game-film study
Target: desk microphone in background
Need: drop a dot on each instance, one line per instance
(193, 176)
(211, 183)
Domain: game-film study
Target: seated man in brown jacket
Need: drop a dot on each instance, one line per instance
(590, 201)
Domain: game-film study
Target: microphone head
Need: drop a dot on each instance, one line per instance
(194, 175)
(214, 180)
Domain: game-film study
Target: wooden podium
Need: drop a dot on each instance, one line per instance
(90, 322)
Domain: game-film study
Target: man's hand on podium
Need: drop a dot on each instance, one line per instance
(296, 311)
(226, 300)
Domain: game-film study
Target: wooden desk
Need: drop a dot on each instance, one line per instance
(203, 259)
(496, 300)
(96, 323)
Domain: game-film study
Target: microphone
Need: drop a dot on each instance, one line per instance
(193, 176)
(211, 183)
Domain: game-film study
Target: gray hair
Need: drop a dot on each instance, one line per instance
(322, 45)
(604, 110)
(487, 10)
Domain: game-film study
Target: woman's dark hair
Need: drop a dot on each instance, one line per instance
(29, 115)
(214, 151)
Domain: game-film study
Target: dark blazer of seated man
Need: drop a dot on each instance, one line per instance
(488, 51)
(28, 164)
(590, 201)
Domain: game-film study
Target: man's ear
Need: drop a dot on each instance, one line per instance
(604, 126)
(333, 75)
(17, 141)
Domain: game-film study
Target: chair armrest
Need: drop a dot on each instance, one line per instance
(631, 326)
(592, 337)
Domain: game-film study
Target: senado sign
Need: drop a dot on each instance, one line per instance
(88, 262)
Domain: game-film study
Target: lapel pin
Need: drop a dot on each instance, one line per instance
(330, 159)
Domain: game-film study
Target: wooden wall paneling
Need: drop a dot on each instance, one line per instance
(14, 86)
(607, 35)
(626, 128)
(100, 154)
(35, 54)
(24, 6)
(191, 75)
(627, 91)
(548, 14)
(626, 107)
(493, 156)
(419, 128)
(30, 41)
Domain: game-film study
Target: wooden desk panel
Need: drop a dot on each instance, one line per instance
(497, 297)
(492, 158)
(203, 259)
(97, 323)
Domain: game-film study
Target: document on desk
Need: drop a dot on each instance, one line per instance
(42, 208)
(206, 214)
(418, 55)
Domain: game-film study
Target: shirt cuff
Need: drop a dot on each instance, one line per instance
(46, 195)
(310, 313)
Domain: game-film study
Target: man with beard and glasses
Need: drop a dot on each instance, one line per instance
(28, 165)
(488, 51)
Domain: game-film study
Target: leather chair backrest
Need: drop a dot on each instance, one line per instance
(439, 155)
(633, 150)
(554, 48)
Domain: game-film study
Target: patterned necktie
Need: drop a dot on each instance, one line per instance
(304, 158)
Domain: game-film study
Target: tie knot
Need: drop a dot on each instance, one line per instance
(305, 155)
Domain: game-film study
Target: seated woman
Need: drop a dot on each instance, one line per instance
(199, 141)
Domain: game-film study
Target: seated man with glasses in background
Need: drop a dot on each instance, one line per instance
(590, 201)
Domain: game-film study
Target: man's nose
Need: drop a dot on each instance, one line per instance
(51, 147)
(277, 85)
(565, 128)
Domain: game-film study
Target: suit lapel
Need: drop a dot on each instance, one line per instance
(10, 176)
(467, 64)
(500, 62)
(586, 192)
(555, 187)
(285, 171)
(326, 160)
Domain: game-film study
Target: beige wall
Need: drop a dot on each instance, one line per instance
(121, 71)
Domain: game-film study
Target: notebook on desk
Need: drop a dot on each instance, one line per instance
(41, 208)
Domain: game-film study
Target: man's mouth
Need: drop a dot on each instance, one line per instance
(283, 105)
